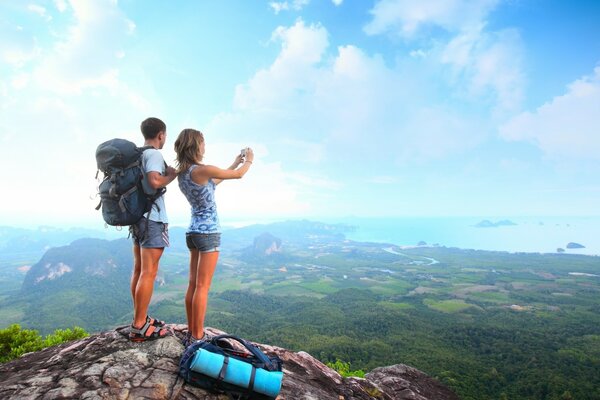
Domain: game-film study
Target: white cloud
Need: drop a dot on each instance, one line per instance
(302, 47)
(313, 153)
(295, 5)
(407, 17)
(315, 182)
(68, 95)
(483, 62)
(266, 190)
(436, 132)
(279, 6)
(482, 65)
(514, 165)
(86, 58)
(342, 111)
(20, 81)
(383, 180)
(61, 5)
(17, 47)
(275, 196)
(418, 53)
(39, 10)
(567, 127)
(337, 2)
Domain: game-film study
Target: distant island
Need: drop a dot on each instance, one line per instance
(489, 224)
(573, 245)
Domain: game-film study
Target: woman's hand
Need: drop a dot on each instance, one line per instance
(238, 160)
(249, 154)
(237, 170)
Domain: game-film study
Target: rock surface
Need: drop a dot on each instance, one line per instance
(108, 366)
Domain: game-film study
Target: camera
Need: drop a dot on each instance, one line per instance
(243, 152)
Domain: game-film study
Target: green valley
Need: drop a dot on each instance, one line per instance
(490, 325)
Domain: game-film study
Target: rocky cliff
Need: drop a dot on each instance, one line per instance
(108, 366)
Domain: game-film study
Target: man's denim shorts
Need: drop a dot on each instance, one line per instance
(150, 234)
(203, 242)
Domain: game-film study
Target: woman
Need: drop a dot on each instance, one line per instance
(198, 181)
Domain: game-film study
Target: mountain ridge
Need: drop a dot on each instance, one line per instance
(107, 365)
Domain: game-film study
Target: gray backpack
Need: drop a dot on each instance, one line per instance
(122, 196)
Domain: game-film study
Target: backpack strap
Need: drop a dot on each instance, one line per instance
(160, 191)
(223, 370)
(144, 148)
(252, 377)
(256, 352)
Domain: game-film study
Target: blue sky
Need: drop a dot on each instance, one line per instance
(354, 108)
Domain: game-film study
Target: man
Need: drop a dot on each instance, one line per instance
(150, 234)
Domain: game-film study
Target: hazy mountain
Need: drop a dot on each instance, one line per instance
(83, 259)
(266, 244)
(85, 283)
(20, 243)
(298, 231)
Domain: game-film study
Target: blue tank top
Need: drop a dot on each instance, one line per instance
(202, 200)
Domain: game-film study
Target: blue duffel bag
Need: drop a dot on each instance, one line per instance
(216, 366)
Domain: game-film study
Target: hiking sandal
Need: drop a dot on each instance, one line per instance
(146, 332)
(155, 322)
(189, 340)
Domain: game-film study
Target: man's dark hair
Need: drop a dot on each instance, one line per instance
(151, 127)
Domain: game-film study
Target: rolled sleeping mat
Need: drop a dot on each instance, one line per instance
(237, 373)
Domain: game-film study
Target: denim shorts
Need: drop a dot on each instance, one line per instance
(150, 234)
(203, 242)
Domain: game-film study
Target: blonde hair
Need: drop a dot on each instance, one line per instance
(187, 148)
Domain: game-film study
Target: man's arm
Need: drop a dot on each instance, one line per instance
(156, 180)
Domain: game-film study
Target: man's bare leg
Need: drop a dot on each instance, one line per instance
(137, 269)
(145, 285)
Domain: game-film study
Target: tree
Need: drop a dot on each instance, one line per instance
(343, 368)
(14, 341)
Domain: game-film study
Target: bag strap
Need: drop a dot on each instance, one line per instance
(252, 378)
(256, 352)
(144, 148)
(161, 191)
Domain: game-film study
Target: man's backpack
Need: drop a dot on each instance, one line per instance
(218, 367)
(122, 196)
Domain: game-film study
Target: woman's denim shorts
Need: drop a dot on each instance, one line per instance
(203, 242)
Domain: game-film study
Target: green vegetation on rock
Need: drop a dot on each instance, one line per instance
(15, 341)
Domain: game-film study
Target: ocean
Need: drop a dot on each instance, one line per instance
(529, 234)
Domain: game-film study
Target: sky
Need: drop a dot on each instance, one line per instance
(354, 108)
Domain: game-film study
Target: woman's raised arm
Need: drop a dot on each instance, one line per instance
(202, 174)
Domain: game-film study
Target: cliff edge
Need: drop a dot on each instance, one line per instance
(108, 366)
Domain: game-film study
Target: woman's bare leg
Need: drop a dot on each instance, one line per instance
(207, 264)
(189, 295)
